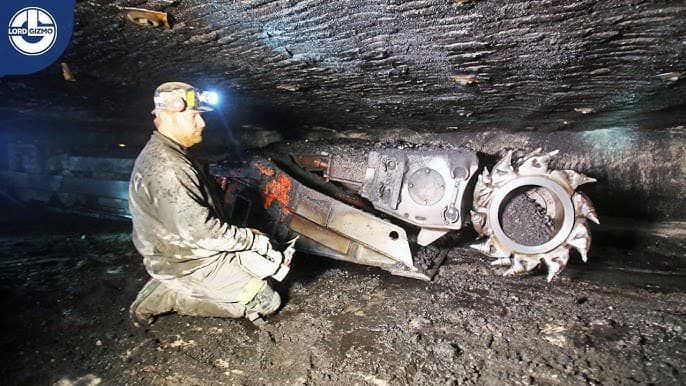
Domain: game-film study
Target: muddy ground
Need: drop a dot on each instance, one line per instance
(67, 282)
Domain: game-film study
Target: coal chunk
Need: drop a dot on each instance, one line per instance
(525, 221)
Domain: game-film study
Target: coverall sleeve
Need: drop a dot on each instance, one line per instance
(183, 208)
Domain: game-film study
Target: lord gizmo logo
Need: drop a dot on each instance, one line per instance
(32, 31)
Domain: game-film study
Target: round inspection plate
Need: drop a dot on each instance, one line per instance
(426, 186)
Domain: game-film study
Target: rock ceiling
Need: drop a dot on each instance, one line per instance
(423, 65)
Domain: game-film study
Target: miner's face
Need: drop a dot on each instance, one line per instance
(191, 125)
(184, 127)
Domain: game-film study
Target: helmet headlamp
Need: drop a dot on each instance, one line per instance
(178, 97)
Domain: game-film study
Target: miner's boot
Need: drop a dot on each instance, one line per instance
(190, 306)
(152, 300)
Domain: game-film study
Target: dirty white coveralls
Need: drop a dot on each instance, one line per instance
(200, 264)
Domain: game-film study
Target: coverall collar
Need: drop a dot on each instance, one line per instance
(170, 142)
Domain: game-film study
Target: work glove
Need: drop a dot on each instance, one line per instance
(262, 260)
(287, 257)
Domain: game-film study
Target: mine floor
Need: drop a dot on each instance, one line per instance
(67, 282)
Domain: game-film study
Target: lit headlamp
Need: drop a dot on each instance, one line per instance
(180, 97)
(208, 98)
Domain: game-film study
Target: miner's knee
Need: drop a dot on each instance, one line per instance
(266, 302)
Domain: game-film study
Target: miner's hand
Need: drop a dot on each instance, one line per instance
(289, 251)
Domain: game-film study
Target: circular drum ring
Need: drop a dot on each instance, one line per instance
(557, 190)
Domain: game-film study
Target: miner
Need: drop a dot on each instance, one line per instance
(199, 264)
